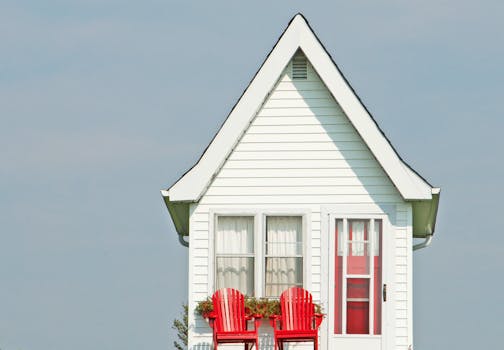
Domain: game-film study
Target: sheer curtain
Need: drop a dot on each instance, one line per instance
(284, 254)
(357, 229)
(360, 232)
(234, 253)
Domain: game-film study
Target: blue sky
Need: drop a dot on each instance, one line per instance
(103, 103)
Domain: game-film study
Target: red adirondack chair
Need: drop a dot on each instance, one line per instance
(229, 321)
(298, 321)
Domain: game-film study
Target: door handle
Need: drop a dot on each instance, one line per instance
(384, 292)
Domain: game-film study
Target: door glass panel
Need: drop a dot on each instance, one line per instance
(358, 306)
(358, 247)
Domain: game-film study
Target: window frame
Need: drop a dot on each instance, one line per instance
(259, 216)
(240, 255)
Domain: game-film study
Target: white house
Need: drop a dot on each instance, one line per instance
(301, 187)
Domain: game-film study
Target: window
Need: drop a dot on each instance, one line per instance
(263, 263)
(234, 253)
(283, 254)
(358, 276)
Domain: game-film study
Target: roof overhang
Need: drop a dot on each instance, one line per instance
(298, 35)
(424, 215)
(179, 212)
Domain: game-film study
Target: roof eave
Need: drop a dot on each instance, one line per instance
(179, 212)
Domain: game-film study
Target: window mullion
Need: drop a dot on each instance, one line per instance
(344, 280)
(259, 253)
(372, 277)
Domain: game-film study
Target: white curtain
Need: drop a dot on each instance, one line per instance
(284, 250)
(234, 253)
(358, 235)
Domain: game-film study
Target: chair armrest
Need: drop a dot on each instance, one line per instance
(257, 321)
(211, 316)
(256, 318)
(273, 320)
(318, 320)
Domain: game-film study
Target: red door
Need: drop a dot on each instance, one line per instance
(358, 276)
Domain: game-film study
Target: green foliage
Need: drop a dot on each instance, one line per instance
(253, 306)
(204, 307)
(181, 327)
(262, 306)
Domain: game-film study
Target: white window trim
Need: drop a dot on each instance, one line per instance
(259, 243)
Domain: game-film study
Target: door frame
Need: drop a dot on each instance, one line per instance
(328, 216)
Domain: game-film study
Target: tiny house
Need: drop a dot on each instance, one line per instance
(300, 187)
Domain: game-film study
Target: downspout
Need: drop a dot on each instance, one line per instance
(183, 241)
(424, 244)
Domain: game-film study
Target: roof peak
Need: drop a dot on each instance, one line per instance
(297, 35)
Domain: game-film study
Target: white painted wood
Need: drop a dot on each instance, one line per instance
(409, 238)
(304, 182)
(295, 94)
(303, 164)
(302, 120)
(301, 146)
(300, 112)
(300, 190)
(300, 172)
(302, 129)
(282, 200)
(300, 103)
(299, 155)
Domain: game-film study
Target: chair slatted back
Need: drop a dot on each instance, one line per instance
(297, 309)
(229, 307)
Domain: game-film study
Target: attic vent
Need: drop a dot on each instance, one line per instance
(299, 68)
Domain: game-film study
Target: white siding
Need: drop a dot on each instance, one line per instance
(300, 152)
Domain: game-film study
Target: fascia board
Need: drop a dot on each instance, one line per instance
(298, 35)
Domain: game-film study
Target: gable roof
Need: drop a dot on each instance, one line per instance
(298, 35)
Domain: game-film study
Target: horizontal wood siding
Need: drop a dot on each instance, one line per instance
(402, 292)
(299, 152)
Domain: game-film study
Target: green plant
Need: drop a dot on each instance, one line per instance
(263, 306)
(253, 306)
(204, 307)
(181, 327)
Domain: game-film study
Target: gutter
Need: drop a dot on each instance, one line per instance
(179, 212)
(424, 219)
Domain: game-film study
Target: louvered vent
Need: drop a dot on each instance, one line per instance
(299, 68)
